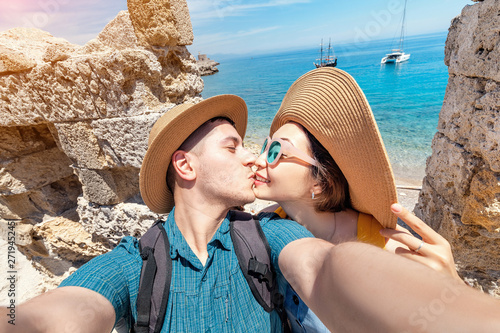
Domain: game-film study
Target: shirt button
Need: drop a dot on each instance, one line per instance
(295, 299)
(204, 278)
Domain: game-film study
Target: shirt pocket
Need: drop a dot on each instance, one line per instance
(221, 306)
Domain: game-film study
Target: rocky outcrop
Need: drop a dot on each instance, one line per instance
(461, 191)
(74, 122)
(206, 66)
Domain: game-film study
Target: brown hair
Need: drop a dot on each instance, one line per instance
(188, 145)
(334, 195)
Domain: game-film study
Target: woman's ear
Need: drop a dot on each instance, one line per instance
(183, 164)
(316, 189)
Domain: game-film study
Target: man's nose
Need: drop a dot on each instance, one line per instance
(249, 158)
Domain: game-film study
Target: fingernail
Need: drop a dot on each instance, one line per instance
(396, 208)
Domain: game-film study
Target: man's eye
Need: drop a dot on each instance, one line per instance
(232, 148)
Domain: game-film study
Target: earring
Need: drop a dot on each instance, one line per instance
(312, 196)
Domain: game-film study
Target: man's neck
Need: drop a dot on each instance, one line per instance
(198, 225)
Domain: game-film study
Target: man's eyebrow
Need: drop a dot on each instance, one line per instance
(234, 139)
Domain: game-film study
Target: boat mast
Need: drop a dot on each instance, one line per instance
(329, 49)
(402, 36)
(321, 53)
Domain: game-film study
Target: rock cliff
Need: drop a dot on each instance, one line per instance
(460, 197)
(74, 122)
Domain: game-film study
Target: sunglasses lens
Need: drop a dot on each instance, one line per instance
(263, 147)
(273, 152)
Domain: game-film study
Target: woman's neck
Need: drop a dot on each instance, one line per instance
(320, 224)
(332, 227)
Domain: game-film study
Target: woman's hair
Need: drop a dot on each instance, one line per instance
(334, 195)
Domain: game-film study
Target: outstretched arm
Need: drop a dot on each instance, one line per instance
(66, 309)
(356, 287)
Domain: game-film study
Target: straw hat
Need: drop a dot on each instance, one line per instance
(168, 134)
(331, 106)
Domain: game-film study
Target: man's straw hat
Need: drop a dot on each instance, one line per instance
(331, 106)
(167, 135)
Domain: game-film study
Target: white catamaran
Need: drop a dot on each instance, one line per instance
(398, 55)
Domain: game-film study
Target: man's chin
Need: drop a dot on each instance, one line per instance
(249, 199)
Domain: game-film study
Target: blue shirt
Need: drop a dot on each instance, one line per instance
(301, 318)
(210, 298)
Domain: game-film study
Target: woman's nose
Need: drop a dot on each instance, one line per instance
(261, 160)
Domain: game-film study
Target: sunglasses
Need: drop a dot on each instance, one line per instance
(277, 147)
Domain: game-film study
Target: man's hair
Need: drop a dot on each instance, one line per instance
(187, 145)
(334, 195)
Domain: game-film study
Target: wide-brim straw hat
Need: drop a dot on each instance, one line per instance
(331, 106)
(168, 134)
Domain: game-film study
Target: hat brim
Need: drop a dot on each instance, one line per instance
(168, 134)
(332, 107)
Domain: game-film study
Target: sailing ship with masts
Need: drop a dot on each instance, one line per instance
(398, 55)
(327, 57)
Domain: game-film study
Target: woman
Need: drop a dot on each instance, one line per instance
(327, 168)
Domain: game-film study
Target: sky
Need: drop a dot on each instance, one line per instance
(248, 26)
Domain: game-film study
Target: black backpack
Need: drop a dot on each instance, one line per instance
(254, 256)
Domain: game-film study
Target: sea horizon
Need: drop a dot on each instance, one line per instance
(405, 98)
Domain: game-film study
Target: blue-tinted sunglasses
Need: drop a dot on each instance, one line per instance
(275, 148)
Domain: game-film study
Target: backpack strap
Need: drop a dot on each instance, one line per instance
(254, 257)
(154, 285)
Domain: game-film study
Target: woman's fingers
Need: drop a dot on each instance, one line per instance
(420, 227)
(402, 236)
(432, 250)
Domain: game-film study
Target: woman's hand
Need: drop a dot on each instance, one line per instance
(433, 250)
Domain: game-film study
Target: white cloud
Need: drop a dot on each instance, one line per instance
(201, 10)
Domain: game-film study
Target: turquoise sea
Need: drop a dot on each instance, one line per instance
(405, 98)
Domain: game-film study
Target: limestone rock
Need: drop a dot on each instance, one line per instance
(12, 61)
(206, 65)
(68, 240)
(161, 22)
(74, 124)
(96, 81)
(44, 168)
(461, 190)
(109, 224)
(473, 44)
(20, 141)
(108, 187)
(119, 26)
(52, 199)
(482, 206)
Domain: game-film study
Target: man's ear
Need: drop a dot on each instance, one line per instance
(183, 164)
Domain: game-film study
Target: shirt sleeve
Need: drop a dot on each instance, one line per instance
(279, 233)
(115, 275)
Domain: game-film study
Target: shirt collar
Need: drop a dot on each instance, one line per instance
(222, 235)
(179, 245)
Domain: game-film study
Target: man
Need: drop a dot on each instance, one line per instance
(197, 160)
